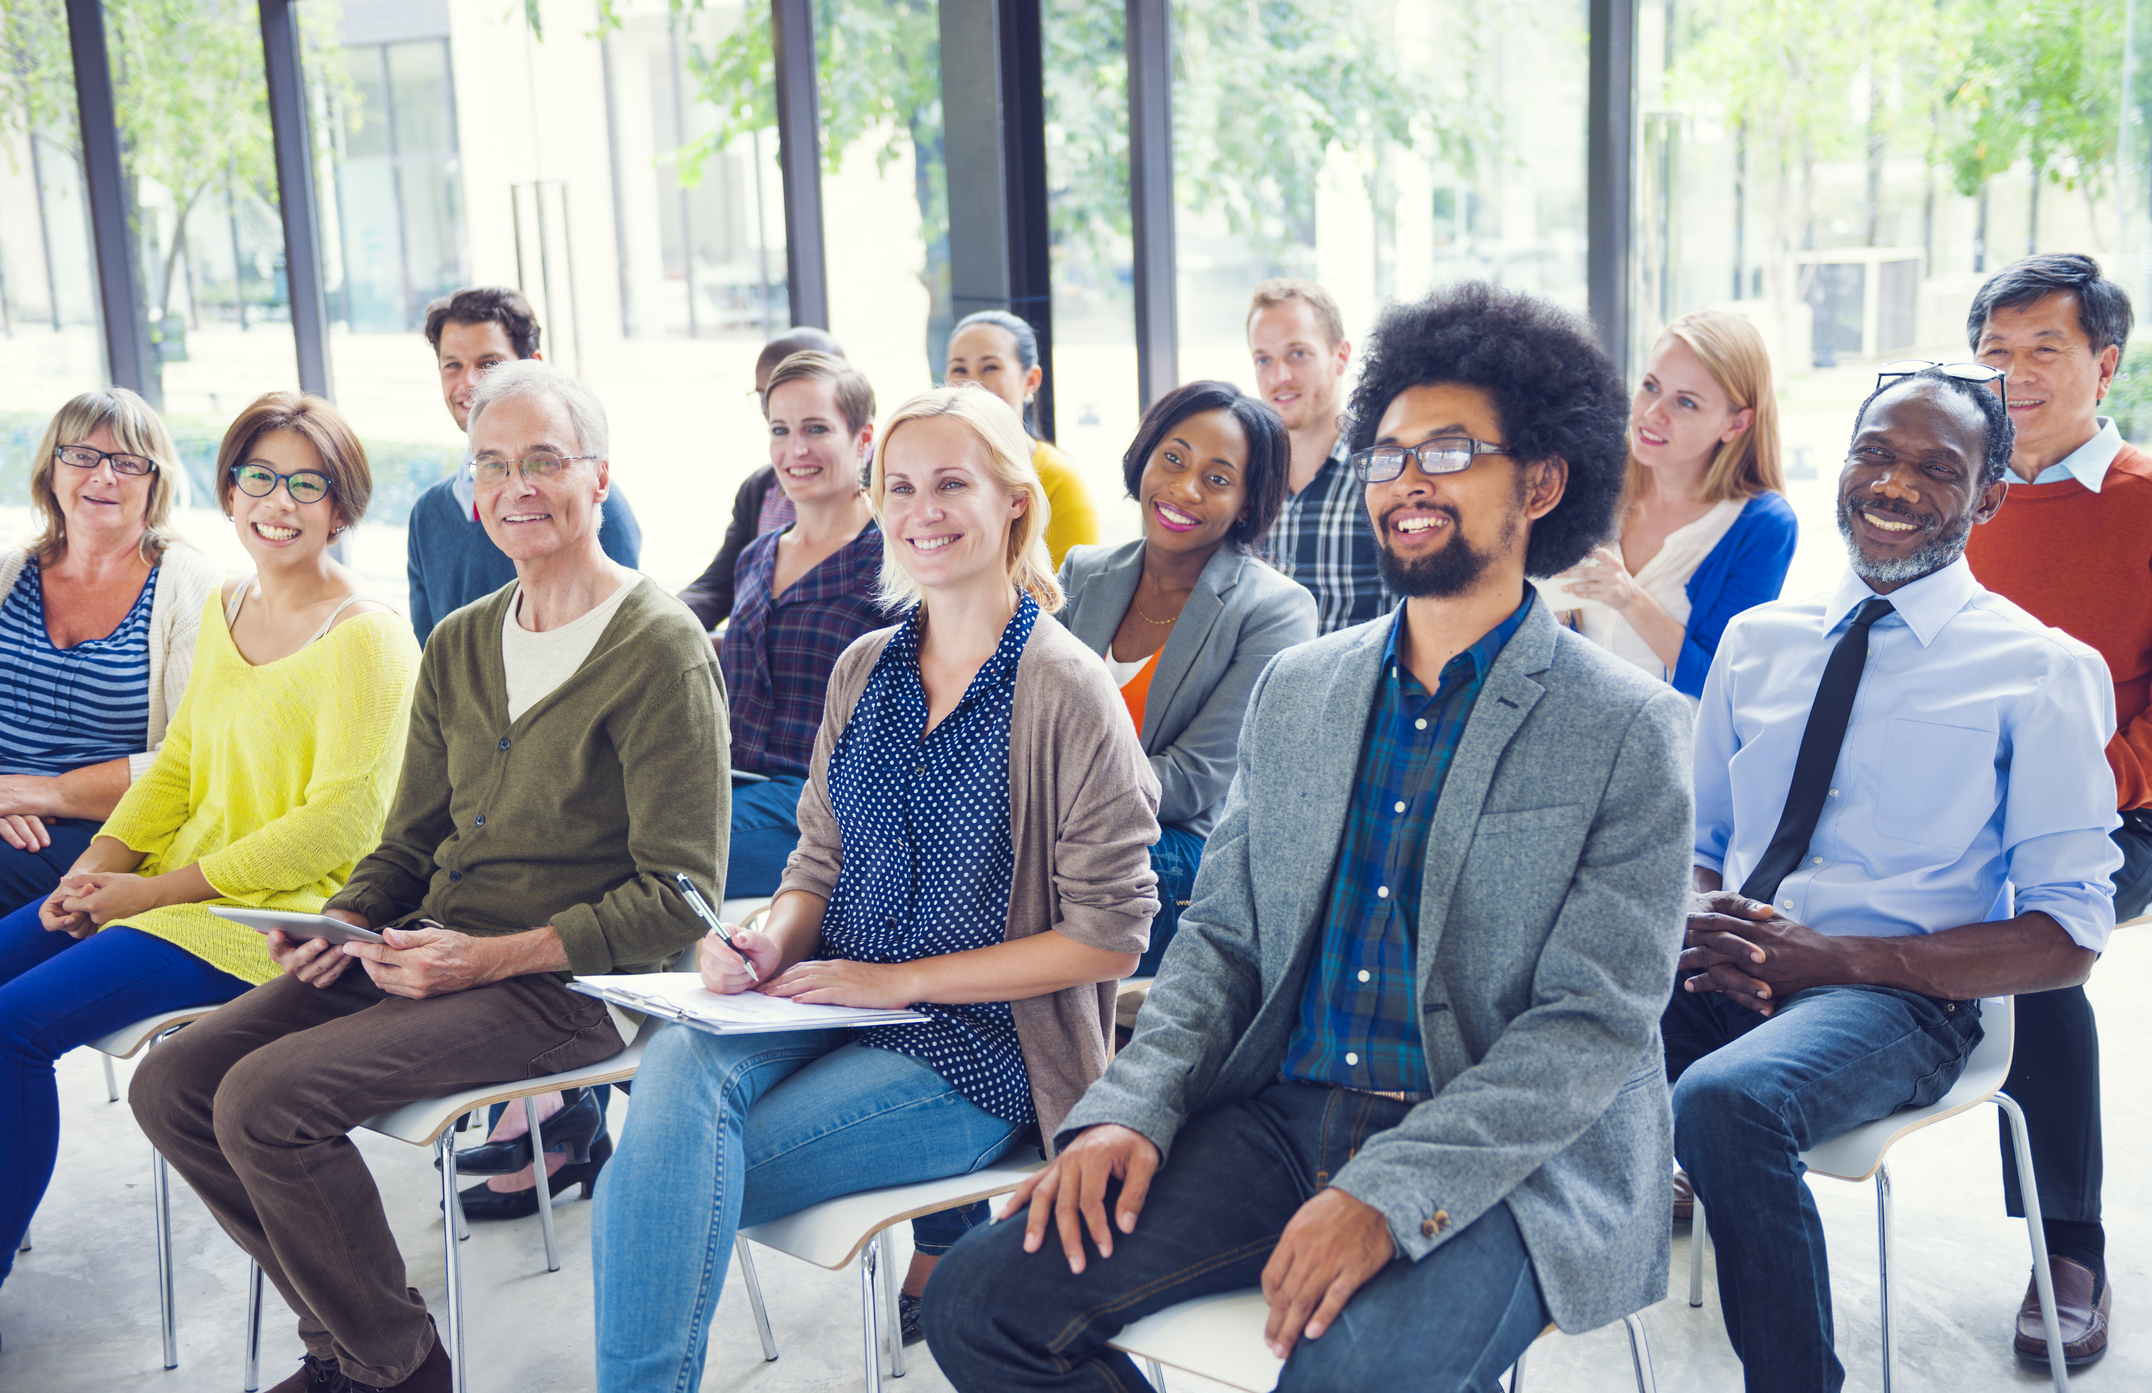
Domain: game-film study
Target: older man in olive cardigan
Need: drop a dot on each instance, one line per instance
(567, 758)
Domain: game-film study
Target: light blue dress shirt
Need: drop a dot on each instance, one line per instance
(1974, 762)
(2088, 462)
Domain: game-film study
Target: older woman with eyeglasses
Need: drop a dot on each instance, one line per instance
(272, 780)
(97, 630)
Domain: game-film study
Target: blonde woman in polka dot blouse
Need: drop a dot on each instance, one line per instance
(974, 843)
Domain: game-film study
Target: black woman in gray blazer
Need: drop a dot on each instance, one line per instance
(1188, 617)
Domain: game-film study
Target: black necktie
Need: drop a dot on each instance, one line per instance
(1818, 759)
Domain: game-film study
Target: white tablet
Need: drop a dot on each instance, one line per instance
(298, 927)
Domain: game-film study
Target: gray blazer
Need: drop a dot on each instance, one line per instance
(1241, 615)
(1551, 913)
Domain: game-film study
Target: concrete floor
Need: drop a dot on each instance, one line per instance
(80, 1312)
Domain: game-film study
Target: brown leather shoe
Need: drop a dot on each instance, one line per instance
(433, 1375)
(2081, 1316)
(1684, 1198)
(312, 1376)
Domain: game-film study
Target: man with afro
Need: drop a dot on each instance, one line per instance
(1400, 1067)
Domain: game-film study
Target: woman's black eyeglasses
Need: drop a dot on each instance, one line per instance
(1965, 372)
(259, 481)
(84, 457)
(1445, 454)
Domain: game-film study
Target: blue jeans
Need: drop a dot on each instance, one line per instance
(1001, 1320)
(1750, 1094)
(731, 1130)
(1176, 856)
(765, 830)
(58, 992)
(32, 875)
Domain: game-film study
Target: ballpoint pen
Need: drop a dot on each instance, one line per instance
(701, 906)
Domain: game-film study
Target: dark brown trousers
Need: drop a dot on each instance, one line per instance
(252, 1106)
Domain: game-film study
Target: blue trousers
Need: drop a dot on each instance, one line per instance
(1750, 1094)
(58, 992)
(765, 830)
(1001, 1320)
(32, 875)
(1176, 856)
(732, 1130)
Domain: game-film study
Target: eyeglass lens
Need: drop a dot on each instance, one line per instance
(1964, 372)
(305, 486)
(83, 457)
(1444, 455)
(534, 467)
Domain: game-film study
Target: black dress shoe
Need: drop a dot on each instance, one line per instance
(571, 1130)
(908, 1308)
(482, 1202)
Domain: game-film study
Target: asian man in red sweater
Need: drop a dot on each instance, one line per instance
(2073, 545)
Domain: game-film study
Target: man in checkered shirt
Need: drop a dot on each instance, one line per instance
(1322, 539)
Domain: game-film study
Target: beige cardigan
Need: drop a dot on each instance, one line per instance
(1083, 812)
(175, 620)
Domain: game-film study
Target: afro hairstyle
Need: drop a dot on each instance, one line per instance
(1554, 391)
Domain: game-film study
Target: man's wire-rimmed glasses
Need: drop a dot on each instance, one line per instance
(542, 466)
(1979, 373)
(1445, 454)
(89, 457)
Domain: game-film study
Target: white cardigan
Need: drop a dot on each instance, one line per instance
(175, 620)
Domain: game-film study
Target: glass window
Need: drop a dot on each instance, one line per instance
(51, 338)
(1379, 148)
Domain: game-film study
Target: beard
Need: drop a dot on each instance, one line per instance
(1450, 571)
(1945, 544)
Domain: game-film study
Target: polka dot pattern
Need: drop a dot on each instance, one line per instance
(924, 820)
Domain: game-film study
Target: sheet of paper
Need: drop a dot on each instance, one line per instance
(683, 993)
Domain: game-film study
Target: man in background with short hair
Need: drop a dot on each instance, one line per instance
(2072, 545)
(1322, 539)
(451, 560)
(760, 506)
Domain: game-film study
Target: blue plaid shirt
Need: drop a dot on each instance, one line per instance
(777, 650)
(1360, 1017)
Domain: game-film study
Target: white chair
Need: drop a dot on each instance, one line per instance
(434, 1123)
(836, 1232)
(126, 1043)
(1858, 1154)
(1221, 1338)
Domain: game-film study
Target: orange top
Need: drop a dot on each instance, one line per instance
(2082, 561)
(1138, 690)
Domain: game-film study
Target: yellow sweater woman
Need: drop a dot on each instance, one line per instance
(273, 781)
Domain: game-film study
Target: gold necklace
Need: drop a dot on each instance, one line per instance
(1138, 609)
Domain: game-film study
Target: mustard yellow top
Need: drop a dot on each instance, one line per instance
(275, 778)
(1071, 521)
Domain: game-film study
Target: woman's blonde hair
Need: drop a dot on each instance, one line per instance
(140, 431)
(1734, 354)
(1009, 460)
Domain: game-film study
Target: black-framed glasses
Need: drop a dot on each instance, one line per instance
(543, 465)
(85, 457)
(1445, 454)
(1979, 373)
(259, 481)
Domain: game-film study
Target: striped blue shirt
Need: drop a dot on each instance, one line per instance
(64, 708)
(1360, 1015)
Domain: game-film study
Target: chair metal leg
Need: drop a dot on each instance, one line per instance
(1699, 1245)
(1883, 1273)
(112, 1083)
(892, 1290)
(545, 1185)
(254, 1326)
(161, 1202)
(870, 1309)
(1640, 1355)
(25, 1242)
(754, 1298)
(1156, 1373)
(452, 1259)
(2043, 1279)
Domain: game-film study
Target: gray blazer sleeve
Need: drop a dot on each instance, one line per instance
(1197, 1013)
(1597, 995)
(1197, 768)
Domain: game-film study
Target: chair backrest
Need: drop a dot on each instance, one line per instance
(1856, 1154)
